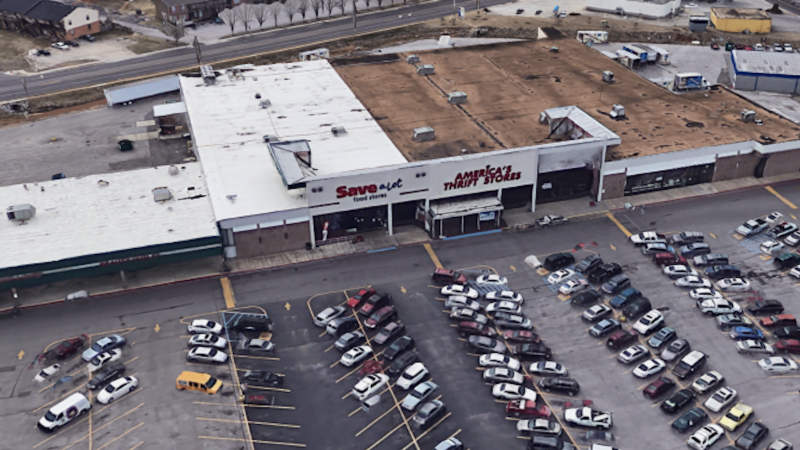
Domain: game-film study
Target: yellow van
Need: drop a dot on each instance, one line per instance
(195, 381)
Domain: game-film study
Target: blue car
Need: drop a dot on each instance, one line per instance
(624, 297)
(745, 333)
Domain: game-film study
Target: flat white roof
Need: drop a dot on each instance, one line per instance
(85, 216)
(169, 109)
(306, 100)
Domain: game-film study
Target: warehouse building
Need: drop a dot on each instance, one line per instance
(765, 71)
(739, 20)
(657, 9)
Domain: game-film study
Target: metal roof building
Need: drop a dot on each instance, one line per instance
(765, 71)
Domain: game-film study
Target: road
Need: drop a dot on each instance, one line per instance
(184, 58)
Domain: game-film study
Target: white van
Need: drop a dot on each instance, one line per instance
(63, 413)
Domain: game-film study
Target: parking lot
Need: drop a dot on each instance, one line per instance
(314, 408)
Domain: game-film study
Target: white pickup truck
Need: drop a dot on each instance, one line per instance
(648, 237)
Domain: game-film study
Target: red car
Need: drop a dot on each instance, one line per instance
(522, 336)
(663, 259)
(475, 329)
(527, 408)
(356, 300)
(67, 348)
(383, 315)
(374, 303)
(444, 276)
(658, 388)
(788, 346)
(781, 320)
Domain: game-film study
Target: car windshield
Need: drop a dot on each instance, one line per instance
(109, 388)
(211, 383)
(96, 347)
(645, 321)
(49, 416)
(732, 416)
(718, 398)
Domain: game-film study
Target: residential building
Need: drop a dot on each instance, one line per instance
(48, 18)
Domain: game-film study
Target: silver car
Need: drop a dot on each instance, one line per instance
(323, 318)
(460, 301)
(675, 350)
(103, 345)
(632, 354)
(419, 395)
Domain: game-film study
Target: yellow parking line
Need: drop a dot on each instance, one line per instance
(290, 408)
(287, 444)
(227, 292)
(91, 433)
(265, 388)
(379, 418)
(429, 430)
(271, 424)
(120, 436)
(59, 398)
(780, 197)
(264, 358)
(137, 445)
(433, 256)
(618, 224)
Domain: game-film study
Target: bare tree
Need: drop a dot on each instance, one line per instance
(229, 17)
(292, 7)
(260, 13)
(353, 2)
(175, 30)
(245, 14)
(365, 1)
(274, 9)
(316, 6)
(327, 5)
(302, 7)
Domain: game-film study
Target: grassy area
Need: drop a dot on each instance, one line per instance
(147, 44)
(15, 47)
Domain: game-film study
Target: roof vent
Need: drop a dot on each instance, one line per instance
(270, 138)
(19, 213)
(338, 131)
(161, 194)
(748, 116)
(412, 59)
(456, 98)
(617, 111)
(173, 170)
(425, 69)
(209, 77)
(608, 76)
(424, 134)
(265, 103)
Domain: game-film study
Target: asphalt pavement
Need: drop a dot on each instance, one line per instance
(184, 58)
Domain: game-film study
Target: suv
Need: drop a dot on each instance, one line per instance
(558, 261)
(687, 237)
(692, 250)
(666, 258)
(711, 259)
(624, 298)
(565, 385)
(723, 271)
(689, 364)
(444, 276)
(621, 338)
(257, 323)
(636, 308)
(589, 263)
(787, 260)
(604, 272)
(616, 284)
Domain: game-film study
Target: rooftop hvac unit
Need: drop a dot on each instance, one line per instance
(338, 131)
(209, 77)
(412, 59)
(617, 111)
(270, 138)
(457, 98)
(22, 212)
(265, 103)
(748, 116)
(424, 134)
(161, 194)
(425, 69)
(608, 76)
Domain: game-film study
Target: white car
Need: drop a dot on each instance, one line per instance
(587, 417)
(679, 271)
(457, 289)
(502, 375)
(649, 322)
(504, 306)
(46, 372)
(369, 385)
(751, 346)
(752, 227)
(596, 312)
(649, 368)
(704, 294)
(733, 285)
(208, 340)
(117, 389)
(412, 375)
(774, 218)
(707, 381)
(771, 247)
(60, 46)
(460, 301)
(777, 364)
(720, 399)
(492, 279)
(693, 282)
(505, 391)
(538, 427)
(572, 286)
(793, 240)
(718, 306)
(705, 437)
(633, 354)
(560, 276)
(499, 360)
(204, 326)
(648, 237)
(548, 368)
(206, 354)
(355, 355)
(104, 358)
(795, 272)
(510, 296)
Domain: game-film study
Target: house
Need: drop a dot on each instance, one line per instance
(48, 18)
(191, 11)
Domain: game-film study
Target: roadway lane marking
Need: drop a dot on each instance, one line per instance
(287, 444)
(120, 436)
(433, 256)
(618, 224)
(227, 292)
(780, 197)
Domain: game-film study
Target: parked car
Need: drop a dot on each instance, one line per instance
(720, 399)
(531, 351)
(492, 279)
(707, 381)
(585, 298)
(649, 368)
(658, 388)
(503, 375)
(781, 230)
(88, 37)
(675, 350)
(509, 296)
(558, 261)
(376, 302)
(560, 276)
(788, 346)
(103, 345)
(390, 331)
(750, 347)
(780, 444)
(733, 285)
(727, 322)
(711, 259)
(42, 52)
(256, 346)
(444, 276)
(475, 329)
(419, 395)
(507, 391)
(658, 247)
(72, 43)
(632, 354)
(788, 260)
(326, 315)
(624, 297)
(208, 340)
(621, 338)
(117, 389)
(667, 258)
(780, 320)
(552, 219)
(705, 437)
(588, 264)
(604, 272)
(60, 45)
(562, 385)
(616, 284)
(647, 237)
(678, 400)
(466, 314)
(105, 375)
(355, 355)
(262, 377)
(679, 271)
(752, 227)
(67, 348)
(693, 282)
(757, 431)
(736, 416)
(663, 337)
(483, 344)
(512, 322)
(686, 237)
(793, 239)
(690, 419)
(772, 247)
(548, 368)
(204, 326)
(574, 285)
(636, 308)
(522, 336)
(527, 408)
(461, 301)
(380, 317)
(499, 360)
(596, 313)
(397, 347)
(605, 327)
(104, 358)
(787, 333)
(705, 294)
(412, 375)
(649, 322)
(539, 427)
(207, 355)
(503, 306)
(588, 417)
(369, 385)
(400, 363)
(743, 333)
(717, 306)
(723, 271)
(777, 364)
(361, 296)
(765, 307)
(697, 249)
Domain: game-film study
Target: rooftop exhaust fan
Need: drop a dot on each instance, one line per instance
(18, 213)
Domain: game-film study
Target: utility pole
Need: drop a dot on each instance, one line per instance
(197, 52)
(355, 24)
(454, 12)
(27, 105)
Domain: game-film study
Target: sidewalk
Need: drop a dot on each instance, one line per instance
(212, 268)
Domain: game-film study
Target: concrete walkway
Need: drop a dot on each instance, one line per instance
(213, 268)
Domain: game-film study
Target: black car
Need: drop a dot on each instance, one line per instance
(604, 272)
(564, 385)
(532, 351)
(43, 52)
(605, 327)
(588, 264)
(343, 325)
(692, 250)
(787, 333)
(636, 308)
(727, 322)
(558, 261)
(72, 43)
(711, 259)
(787, 260)
(723, 271)
(429, 414)
(262, 377)
(585, 298)
(400, 345)
(349, 340)
(765, 307)
(687, 237)
(677, 401)
(251, 322)
(106, 375)
(388, 332)
(616, 284)
(548, 443)
(663, 337)
(88, 37)
(690, 419)
(752, 436)
(401, 362)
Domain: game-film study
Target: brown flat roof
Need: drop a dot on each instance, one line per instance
(740, 13)
(508, 85)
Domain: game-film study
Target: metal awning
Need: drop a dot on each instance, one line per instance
(293, 161)
(143, 89)
(445, 209)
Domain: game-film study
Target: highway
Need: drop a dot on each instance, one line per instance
(184, 58)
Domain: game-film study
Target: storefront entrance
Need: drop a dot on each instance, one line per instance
(464, 215)
(564, 185)
(349, 222)
(668, 179)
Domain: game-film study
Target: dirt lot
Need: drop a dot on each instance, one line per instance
(15, 47)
